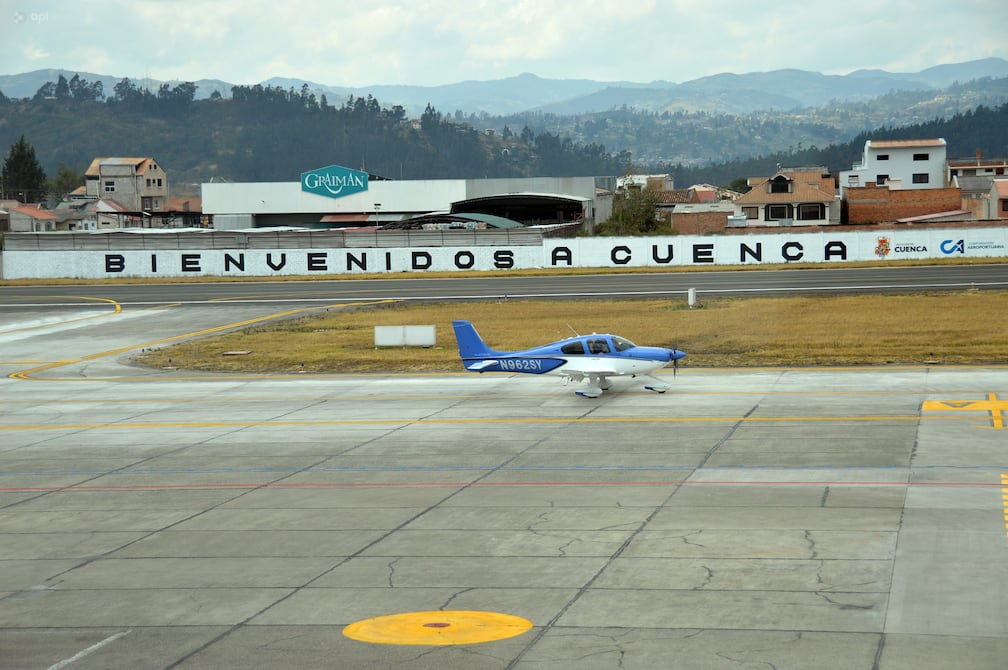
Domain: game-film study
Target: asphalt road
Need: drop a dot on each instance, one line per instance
(304, 293)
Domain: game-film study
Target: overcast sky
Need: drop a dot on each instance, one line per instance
(431, 42)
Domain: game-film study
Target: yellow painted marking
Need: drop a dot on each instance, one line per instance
(28, 374)
(992, 405)
(117, 309)
(438, 628)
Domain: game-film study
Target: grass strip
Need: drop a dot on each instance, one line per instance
(966, 327)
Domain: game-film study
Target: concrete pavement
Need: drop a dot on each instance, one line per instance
(848, 518)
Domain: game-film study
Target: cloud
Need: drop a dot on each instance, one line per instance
(430, 42)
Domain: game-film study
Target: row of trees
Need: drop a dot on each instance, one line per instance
(266, 133)
(77, 88)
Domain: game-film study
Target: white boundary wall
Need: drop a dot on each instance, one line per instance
(831, 246)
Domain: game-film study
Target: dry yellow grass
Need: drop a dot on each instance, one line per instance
(966, 327)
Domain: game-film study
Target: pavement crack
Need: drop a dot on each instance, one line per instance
(686, 539)
(392, 570)
(813, 549)
(832, 600)
(708, 578)
(447, 604)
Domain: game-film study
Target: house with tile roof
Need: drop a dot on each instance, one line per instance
(791, 196)
(138, 185)
(30, 219)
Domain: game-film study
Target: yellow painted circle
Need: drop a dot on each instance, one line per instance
(438, 628)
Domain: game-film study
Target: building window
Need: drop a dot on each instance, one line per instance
(777, 212)
(921, 157)
(881, 179)
(810, 211)
(751, 213)
(882, 157)
(921, 178)
(159, 183)
(110, 187)
(779, 185)
(1004, 205)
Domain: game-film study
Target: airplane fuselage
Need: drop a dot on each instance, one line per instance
(593, 357)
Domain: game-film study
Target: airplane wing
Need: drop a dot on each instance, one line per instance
(586, 367)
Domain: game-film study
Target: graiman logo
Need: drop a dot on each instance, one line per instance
(882, 248)
(334, 181)
(953, 246)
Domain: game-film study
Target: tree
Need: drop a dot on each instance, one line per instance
(635, 212)
(23, 177)
(46, 90)
(739, 185)
(65, 181)
(62, 88)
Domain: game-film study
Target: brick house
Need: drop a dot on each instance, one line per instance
(883, 204)
(998, 199)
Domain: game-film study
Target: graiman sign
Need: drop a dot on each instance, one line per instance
(334, 181)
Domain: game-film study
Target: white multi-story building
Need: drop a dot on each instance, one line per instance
(898, 164)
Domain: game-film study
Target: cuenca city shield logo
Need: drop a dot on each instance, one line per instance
(334, 181)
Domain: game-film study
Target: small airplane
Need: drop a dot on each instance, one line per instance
(593, 357)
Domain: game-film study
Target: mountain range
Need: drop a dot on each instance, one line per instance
(777, 90)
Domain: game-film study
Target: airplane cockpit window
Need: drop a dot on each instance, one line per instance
(622, 344)
(598, 346)
(573, 348)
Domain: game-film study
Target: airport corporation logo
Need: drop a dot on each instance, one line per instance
(986, 247)
(953, 247)
(334, 181)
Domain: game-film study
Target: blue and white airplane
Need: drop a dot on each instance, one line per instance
(592, 357)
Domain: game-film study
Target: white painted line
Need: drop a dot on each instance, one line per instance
(93, 648)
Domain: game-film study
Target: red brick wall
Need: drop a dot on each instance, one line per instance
(699, 223)
(870, 204)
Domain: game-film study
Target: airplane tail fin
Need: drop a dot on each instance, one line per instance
(470, 344)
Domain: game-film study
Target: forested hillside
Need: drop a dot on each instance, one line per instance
(984, 128)
(274, 134)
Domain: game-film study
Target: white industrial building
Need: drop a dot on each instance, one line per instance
(336, 197)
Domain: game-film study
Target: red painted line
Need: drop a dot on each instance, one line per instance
(283, 485)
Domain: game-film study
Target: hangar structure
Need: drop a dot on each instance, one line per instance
(338, 197)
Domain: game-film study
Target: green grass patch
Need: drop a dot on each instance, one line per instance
(957, 328)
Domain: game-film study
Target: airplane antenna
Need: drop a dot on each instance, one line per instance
(577, 334)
